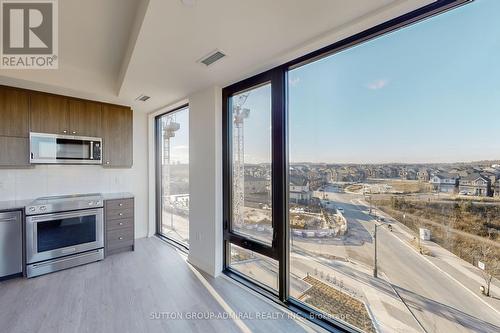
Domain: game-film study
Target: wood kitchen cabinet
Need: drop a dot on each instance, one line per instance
(14, 127)
(14, 152)
(117, 136)
(14, 112)
(118, 225)
(85, 118)
(24, 111)
(49, 113)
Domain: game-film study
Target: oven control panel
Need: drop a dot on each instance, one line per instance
(61, 204)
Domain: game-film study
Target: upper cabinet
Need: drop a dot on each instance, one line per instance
(62, 115)
(24, 111)
(117, 136)
(85, 118)
(49, 113)
(14, 112)
(14, 127)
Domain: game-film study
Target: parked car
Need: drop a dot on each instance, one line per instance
(340, 209)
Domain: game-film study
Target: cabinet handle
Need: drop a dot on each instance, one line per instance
(121, 214)
(120, 204)
(74, 132)
(121, 223)
(120, 238)
(107, 162)
(65, 131)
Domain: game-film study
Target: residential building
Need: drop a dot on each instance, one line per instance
(423, 175)
(300, 192)
(445, 182)
(476, 184)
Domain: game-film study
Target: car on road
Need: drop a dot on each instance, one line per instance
(340, 209)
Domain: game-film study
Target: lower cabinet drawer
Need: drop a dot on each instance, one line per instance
(120, 204)
(119, 238)
(119, 214)
(119, 224)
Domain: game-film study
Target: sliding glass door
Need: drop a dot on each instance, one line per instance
(172, 164)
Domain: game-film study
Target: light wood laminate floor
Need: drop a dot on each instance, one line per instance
(148, 290)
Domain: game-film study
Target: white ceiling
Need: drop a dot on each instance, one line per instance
(115, 50)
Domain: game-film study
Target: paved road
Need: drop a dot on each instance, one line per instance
(439, 303)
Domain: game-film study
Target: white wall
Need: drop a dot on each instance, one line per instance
(45, 180)
(205, 180)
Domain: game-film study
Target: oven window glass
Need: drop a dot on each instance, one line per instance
(66, 232)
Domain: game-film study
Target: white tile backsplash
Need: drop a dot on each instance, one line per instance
(45, 180)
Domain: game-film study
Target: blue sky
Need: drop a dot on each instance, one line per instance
(426, 93)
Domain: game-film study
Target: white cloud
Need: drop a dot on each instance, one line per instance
(378, 84)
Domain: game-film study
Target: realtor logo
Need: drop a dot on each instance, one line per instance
(29, 34)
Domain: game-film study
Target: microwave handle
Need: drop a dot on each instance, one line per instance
(91, 150)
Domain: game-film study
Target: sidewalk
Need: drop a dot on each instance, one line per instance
(456, 268)
(389, 312)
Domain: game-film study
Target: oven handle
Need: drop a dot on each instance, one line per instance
(56, 261)
(56, 216)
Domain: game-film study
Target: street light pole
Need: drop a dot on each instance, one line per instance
(370, 201)
(375, 251)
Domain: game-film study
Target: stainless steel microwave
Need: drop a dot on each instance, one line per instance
(64, 149)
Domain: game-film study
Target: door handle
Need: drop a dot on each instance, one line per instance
(8, 219)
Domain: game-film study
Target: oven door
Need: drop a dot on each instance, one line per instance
(56, 235)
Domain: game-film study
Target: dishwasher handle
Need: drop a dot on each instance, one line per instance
(10, 217)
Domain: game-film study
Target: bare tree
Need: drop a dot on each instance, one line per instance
(487, 255)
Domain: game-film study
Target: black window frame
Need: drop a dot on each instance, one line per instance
(158, 204)
(278, 78)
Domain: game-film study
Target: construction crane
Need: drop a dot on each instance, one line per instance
(239, 116)
(170, 126)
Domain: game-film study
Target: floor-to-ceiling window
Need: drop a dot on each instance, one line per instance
(172, 163)
(386, 215)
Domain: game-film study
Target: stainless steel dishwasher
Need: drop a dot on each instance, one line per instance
(11, 244)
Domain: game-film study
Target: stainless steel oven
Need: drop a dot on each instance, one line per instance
(61, 240)
(64, 149)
